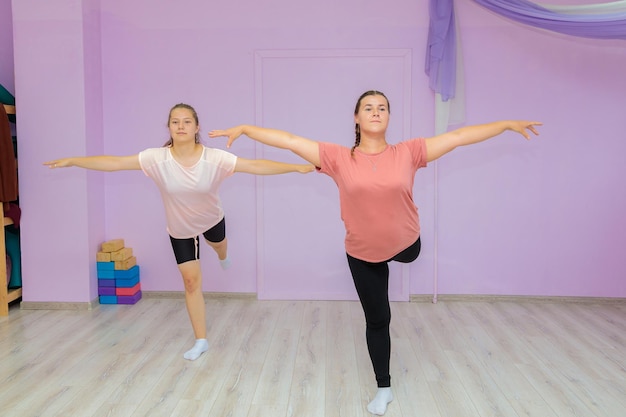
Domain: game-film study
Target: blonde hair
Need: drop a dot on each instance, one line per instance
(194, 114)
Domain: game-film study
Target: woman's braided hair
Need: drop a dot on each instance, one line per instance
(357, 128)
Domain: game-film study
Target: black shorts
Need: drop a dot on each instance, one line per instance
(409, 254)
(186, 250)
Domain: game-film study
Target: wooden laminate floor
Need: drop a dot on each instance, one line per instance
(309, 358)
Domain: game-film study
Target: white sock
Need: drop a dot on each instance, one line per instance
(225, 263)
(378, 405)
(201, 346)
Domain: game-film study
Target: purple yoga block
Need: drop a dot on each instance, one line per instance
(106, 283)
(106, 291)
(129, 299)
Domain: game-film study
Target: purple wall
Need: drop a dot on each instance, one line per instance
(7, 76)
(513, 218)
(58, 96)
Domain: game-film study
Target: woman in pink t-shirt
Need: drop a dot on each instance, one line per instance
(188, 175)
(375, 182)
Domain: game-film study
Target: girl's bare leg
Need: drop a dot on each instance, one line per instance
(194, 300)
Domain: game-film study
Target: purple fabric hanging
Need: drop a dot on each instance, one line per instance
(441, 49)
(598, 26)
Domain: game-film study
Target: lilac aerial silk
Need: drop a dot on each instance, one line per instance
(441, 48)
(587, 25)
(598, 21)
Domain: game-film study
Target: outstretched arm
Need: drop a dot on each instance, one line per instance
(303, 147)
(439, 145)
(266, 167)
(98, 163)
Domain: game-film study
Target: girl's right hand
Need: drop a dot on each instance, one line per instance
(59, 163)
(306, 168)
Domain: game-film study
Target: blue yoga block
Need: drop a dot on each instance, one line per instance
(105, 266)
(108, 299)
(127, 273)
(126, 283)
(106, 274)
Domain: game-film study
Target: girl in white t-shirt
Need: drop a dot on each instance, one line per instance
(188, 175)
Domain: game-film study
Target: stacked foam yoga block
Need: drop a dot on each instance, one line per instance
(118, 274)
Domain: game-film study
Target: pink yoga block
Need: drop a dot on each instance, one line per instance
(128, 291)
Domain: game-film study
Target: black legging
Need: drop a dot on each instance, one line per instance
(372, 284)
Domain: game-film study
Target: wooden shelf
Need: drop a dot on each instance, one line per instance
(6, 296)
(9, 109)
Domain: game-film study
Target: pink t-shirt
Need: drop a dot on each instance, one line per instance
(376, 196)
(192, 204)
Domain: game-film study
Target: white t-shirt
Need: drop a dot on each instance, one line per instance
(192, 204)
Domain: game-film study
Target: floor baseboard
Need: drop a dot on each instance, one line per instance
(45, 305)
(207, 295)
(421, 298)
(415, 298)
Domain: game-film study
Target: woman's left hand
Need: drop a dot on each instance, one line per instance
(522, 126)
